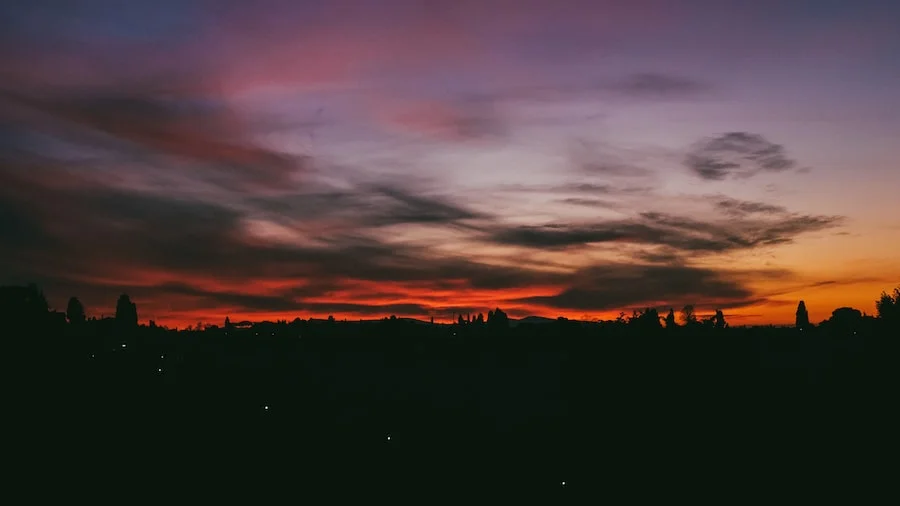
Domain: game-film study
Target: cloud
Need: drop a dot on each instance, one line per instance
(736, 207)
(367, 205)
(137, 153)
(662, 255)
(450, 120)
(556, 236)
(676, 232)
(92, 235)
(580, 189)
(576, 201)
(193, 260)
(141, 121)
(602, 159)
(658, 86)
(223, 299)
(616, 286)
(407, 208)
(18, 229)
(737, 154)
(613, 169)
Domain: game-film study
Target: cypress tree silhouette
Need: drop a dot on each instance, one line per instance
(75, 311)
(802, 321)
(126, 312)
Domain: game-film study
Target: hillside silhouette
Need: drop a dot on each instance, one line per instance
(534, 406)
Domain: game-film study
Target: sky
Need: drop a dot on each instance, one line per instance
(273, 159)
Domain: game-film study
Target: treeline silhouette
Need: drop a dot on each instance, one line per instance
(643, 405)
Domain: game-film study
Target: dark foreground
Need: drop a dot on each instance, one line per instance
(551, 413)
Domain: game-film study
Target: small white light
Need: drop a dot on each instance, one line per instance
(162, 356)
(563, 483)
(266, 408)
(92, 355)
(159, 370)
(123, 345)
(389, 438)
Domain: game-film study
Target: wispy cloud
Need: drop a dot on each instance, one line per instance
(658, 86)
(737, 207)
(680, 233)
(449, 121)
(199, 130)
(737, 154)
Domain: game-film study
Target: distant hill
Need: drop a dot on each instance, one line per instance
(532, 319)
(541, 320)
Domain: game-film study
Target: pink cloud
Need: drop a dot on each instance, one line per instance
(249, 45)
(440, 120)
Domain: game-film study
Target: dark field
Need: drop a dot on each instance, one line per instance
(401, 408)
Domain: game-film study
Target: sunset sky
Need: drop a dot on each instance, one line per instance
(273, 159)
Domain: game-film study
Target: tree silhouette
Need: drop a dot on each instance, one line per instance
(670, 319)
(499, 319)
(23, 304)
(846, 319)
(688, 317)
(888, 307)
(126, 312)
(75, 311)
(802, 321)
(646, 320)
(228, 325)
(719, 320)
